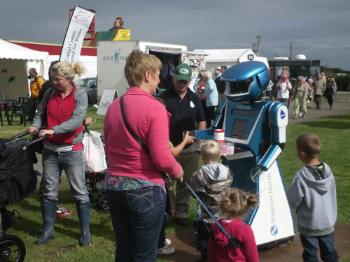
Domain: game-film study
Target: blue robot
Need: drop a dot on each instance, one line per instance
(258, 131)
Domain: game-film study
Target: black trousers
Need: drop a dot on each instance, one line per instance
(203, 234)
(209, 114)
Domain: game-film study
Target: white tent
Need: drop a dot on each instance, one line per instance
(227, 57)
(15, 62)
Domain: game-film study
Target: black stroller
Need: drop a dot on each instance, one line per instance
(17, 180)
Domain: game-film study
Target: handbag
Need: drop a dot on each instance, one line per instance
(170, 194)
(94, 153)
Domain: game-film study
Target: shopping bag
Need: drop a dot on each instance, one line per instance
(94, 153)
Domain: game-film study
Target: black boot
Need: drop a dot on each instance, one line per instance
(48, 211)
(84, 220)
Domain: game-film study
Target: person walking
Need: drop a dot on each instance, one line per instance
(283, 87)
(319, 86)
(60, 119)
(300, 106)
(329, 92)
(36, 84)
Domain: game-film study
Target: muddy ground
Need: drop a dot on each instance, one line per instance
(184, 242)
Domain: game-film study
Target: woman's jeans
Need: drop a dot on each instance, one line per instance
(137, 217)
(72, 163)
(326, 244)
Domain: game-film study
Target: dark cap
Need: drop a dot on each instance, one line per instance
(183, 72)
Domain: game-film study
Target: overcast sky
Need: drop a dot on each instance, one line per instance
(320, 29)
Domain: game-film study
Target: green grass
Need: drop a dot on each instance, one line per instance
(333, 131)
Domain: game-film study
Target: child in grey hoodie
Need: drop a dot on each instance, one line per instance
(313, 195)
(209, 181)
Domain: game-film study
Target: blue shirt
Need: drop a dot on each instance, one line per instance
(211, 93)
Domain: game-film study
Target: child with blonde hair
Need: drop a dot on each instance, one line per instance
(209, 181)
(313, 195)
(234, 205)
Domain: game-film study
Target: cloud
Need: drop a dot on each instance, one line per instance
(318, 28)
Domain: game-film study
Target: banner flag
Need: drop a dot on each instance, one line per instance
(76, 31)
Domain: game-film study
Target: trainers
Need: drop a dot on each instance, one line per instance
(166, 250)
(167, 242)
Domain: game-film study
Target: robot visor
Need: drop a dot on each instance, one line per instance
(238, 87)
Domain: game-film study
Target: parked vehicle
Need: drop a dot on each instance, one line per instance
(111, 59)
(90, 86)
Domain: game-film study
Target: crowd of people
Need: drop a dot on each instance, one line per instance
(303, 93)
(146, 146)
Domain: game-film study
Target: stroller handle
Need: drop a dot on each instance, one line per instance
(33, 142)
(19, 135)
(233, 241)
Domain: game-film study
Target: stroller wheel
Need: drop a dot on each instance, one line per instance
(12, 249)
(102, 203)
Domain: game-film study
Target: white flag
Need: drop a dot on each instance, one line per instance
(77, 28)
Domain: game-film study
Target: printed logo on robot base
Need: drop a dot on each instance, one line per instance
(283, 114)
(274, 230)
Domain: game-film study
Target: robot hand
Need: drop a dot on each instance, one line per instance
(255, 172)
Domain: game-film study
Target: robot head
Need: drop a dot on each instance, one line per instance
(246, 81)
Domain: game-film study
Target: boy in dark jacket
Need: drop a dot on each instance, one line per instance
(313, 195)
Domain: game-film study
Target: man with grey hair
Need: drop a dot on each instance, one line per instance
(186, 114)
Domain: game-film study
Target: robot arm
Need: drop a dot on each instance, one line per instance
(269, 157)
(278, 121)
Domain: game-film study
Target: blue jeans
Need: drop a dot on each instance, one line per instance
(137, 217)
(326, 244)
(72, 163)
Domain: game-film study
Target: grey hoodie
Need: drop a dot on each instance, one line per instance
(209, 182)
(315, 200)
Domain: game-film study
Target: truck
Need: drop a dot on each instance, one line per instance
(111, 59)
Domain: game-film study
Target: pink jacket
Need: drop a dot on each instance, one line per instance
(149, 120)
(218, 250)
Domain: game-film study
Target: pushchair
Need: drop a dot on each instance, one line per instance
(17, 180)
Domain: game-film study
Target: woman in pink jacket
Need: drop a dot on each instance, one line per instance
(138, 154)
